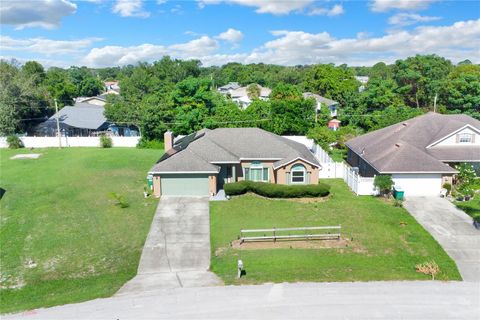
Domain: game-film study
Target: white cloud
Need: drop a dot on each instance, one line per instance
(276, 7)
(35, 13)
(407, 19)
(46, 47)
(386, 5)
(116, 55)
(130, 8)
(231, 35)
(334, 11)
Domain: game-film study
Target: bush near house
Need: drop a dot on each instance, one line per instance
(14, 142)
(383, 183)
(271, 190)
(105, 141)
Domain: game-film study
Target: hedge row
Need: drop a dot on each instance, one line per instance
(271, 190)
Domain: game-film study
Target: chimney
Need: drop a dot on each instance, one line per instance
(168, 140)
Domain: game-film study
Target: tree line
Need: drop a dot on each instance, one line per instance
(181, 95)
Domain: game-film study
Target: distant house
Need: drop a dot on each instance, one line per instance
(112, 87)
(420, 153)
(83, 120)
(230, 86)
(97, 100)
(199, 164)
(240, 94)
(332, 105)
(363, 80)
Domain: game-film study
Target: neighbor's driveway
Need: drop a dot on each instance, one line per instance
(177, 249)
(452, 228)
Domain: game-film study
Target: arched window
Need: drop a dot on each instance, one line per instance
(298, 173)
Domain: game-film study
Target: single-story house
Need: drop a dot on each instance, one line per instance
(420, 153)
(83, 120)
(201, 163)
(228, 87)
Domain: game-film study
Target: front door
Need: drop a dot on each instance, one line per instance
(222, 176)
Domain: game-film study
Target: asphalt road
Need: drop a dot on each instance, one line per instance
(358, 300)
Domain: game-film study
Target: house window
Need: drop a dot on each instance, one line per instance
(465, 138)
(298, 173)
(256, 172)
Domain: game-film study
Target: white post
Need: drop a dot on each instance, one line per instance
(58, 125)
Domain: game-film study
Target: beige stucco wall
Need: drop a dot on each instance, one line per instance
(281, 172)
(447, 179)
(212, 184)
(157, 190)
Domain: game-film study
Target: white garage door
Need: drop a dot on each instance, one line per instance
(184, 184)
(419, 184)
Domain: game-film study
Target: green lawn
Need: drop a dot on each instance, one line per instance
(57, 213)
(382, 249)
(471, 207)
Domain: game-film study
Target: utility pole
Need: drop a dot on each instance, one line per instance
(435, 103)
(58, 125)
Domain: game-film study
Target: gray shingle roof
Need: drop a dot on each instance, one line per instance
(231, 145)
(319, 98)
(402, 147)
(82, 115)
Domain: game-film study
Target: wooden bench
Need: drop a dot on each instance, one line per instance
(279, 233)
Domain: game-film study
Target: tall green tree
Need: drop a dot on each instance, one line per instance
(462, 92)
(420, 78)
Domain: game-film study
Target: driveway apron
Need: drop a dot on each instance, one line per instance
(453, 229)
(177, 249)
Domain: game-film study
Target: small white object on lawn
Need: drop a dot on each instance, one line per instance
(26, 156)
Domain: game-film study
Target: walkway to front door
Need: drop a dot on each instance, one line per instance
(177, 249)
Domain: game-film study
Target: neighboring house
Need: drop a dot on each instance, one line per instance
(200, 163)
(228, 87)
(83, 120)
(363, 80)
(98, 100)
(240, 94)
(112, 86)
(332, 105)
(420, 153)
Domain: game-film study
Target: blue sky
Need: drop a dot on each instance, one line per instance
(100, 33)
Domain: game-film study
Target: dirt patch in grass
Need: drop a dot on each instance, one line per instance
(293, 244)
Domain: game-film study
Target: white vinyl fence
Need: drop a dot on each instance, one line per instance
(331, 169)
(46, 142)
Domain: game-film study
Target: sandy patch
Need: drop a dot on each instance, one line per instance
(293, 244)
(26, 156)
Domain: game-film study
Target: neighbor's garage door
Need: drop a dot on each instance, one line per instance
(419, 184)
(184, 185)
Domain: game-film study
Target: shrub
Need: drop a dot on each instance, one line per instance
(398, 203)
(105, 141)
(430, 268)
(271, 190)
(14, 142)
(149, 144)
(448, 187)
(383, 183)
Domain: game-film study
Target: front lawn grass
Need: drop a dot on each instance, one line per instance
(382, 249)
(63, 239)
(472, 207)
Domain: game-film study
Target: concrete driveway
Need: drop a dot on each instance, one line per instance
(177, 249)
(348, 300)
(452, 228)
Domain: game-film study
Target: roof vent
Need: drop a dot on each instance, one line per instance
(397, 145)
(405, 124)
